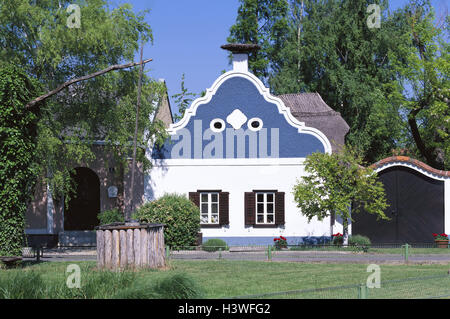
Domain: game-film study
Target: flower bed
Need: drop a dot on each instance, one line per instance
(441, 240)
(280, 242)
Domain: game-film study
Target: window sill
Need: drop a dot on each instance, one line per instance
(265, 225)
(211, 226)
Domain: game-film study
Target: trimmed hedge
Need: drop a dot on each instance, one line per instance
(214, 244)
(359, 240)
(180, 216)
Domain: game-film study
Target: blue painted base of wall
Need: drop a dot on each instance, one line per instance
(264, 241)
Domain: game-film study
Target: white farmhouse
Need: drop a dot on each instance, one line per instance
(237, 153)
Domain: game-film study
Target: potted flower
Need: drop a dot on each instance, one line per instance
(441, 240)
(280, 242)
(338, 239)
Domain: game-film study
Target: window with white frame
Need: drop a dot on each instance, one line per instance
(265, 208)
(209, 208)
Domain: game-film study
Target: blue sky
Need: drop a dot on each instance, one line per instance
(188, 36)
(187, 39)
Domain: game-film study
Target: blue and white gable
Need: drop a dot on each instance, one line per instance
(239, 118)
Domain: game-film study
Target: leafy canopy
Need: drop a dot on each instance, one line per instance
(336, 181)
(262, 22)
(36, 37)
(422, 63)
(390, 84)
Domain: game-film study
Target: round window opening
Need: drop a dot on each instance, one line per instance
(217, 125)
(255, 124)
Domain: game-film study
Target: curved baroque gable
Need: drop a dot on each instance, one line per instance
(252, 124)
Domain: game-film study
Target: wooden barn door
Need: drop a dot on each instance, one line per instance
(416, 209)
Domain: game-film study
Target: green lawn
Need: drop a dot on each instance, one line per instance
(412, 250)
(222, 278)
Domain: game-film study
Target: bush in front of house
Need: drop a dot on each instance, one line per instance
(214, 244)
(180, 216)
(359, 240)
(111, 216)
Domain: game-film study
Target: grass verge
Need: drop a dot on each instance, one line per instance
(196, 279)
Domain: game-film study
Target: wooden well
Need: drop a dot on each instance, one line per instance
(130, 245)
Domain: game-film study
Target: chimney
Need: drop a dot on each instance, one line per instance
(240, 54)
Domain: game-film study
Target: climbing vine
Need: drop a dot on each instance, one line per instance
(18, 169)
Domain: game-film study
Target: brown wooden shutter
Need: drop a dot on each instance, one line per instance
(279, 208)
(224, 218)
(195, 198)
(250, 208)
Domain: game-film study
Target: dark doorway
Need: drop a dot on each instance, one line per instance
(416, 209)
(85, 205)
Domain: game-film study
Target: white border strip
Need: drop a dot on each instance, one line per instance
(265, 92)
(412, 166)
(294, 161)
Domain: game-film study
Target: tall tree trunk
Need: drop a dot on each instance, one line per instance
(427, 152)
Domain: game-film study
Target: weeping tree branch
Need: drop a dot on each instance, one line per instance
(35, 103)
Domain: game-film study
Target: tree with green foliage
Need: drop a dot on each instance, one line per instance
(37, 38)
(262, 22)
(422, 62)
(328, 47)
(62, 124)
(339, 184)
(182, 100)
(390, 83)
(347, 63)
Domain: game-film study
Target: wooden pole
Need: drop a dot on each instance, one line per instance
(133, 165)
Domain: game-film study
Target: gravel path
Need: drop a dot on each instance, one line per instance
(261, 255)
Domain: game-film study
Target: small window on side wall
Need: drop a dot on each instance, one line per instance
(209, 208)
(213, 205)
(264, 208)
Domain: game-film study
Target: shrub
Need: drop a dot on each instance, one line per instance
(214, 244)
(180, 216)
(179, 286)
(111, 216)
(359, 240)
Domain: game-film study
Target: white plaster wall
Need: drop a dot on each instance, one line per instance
(237, 176)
